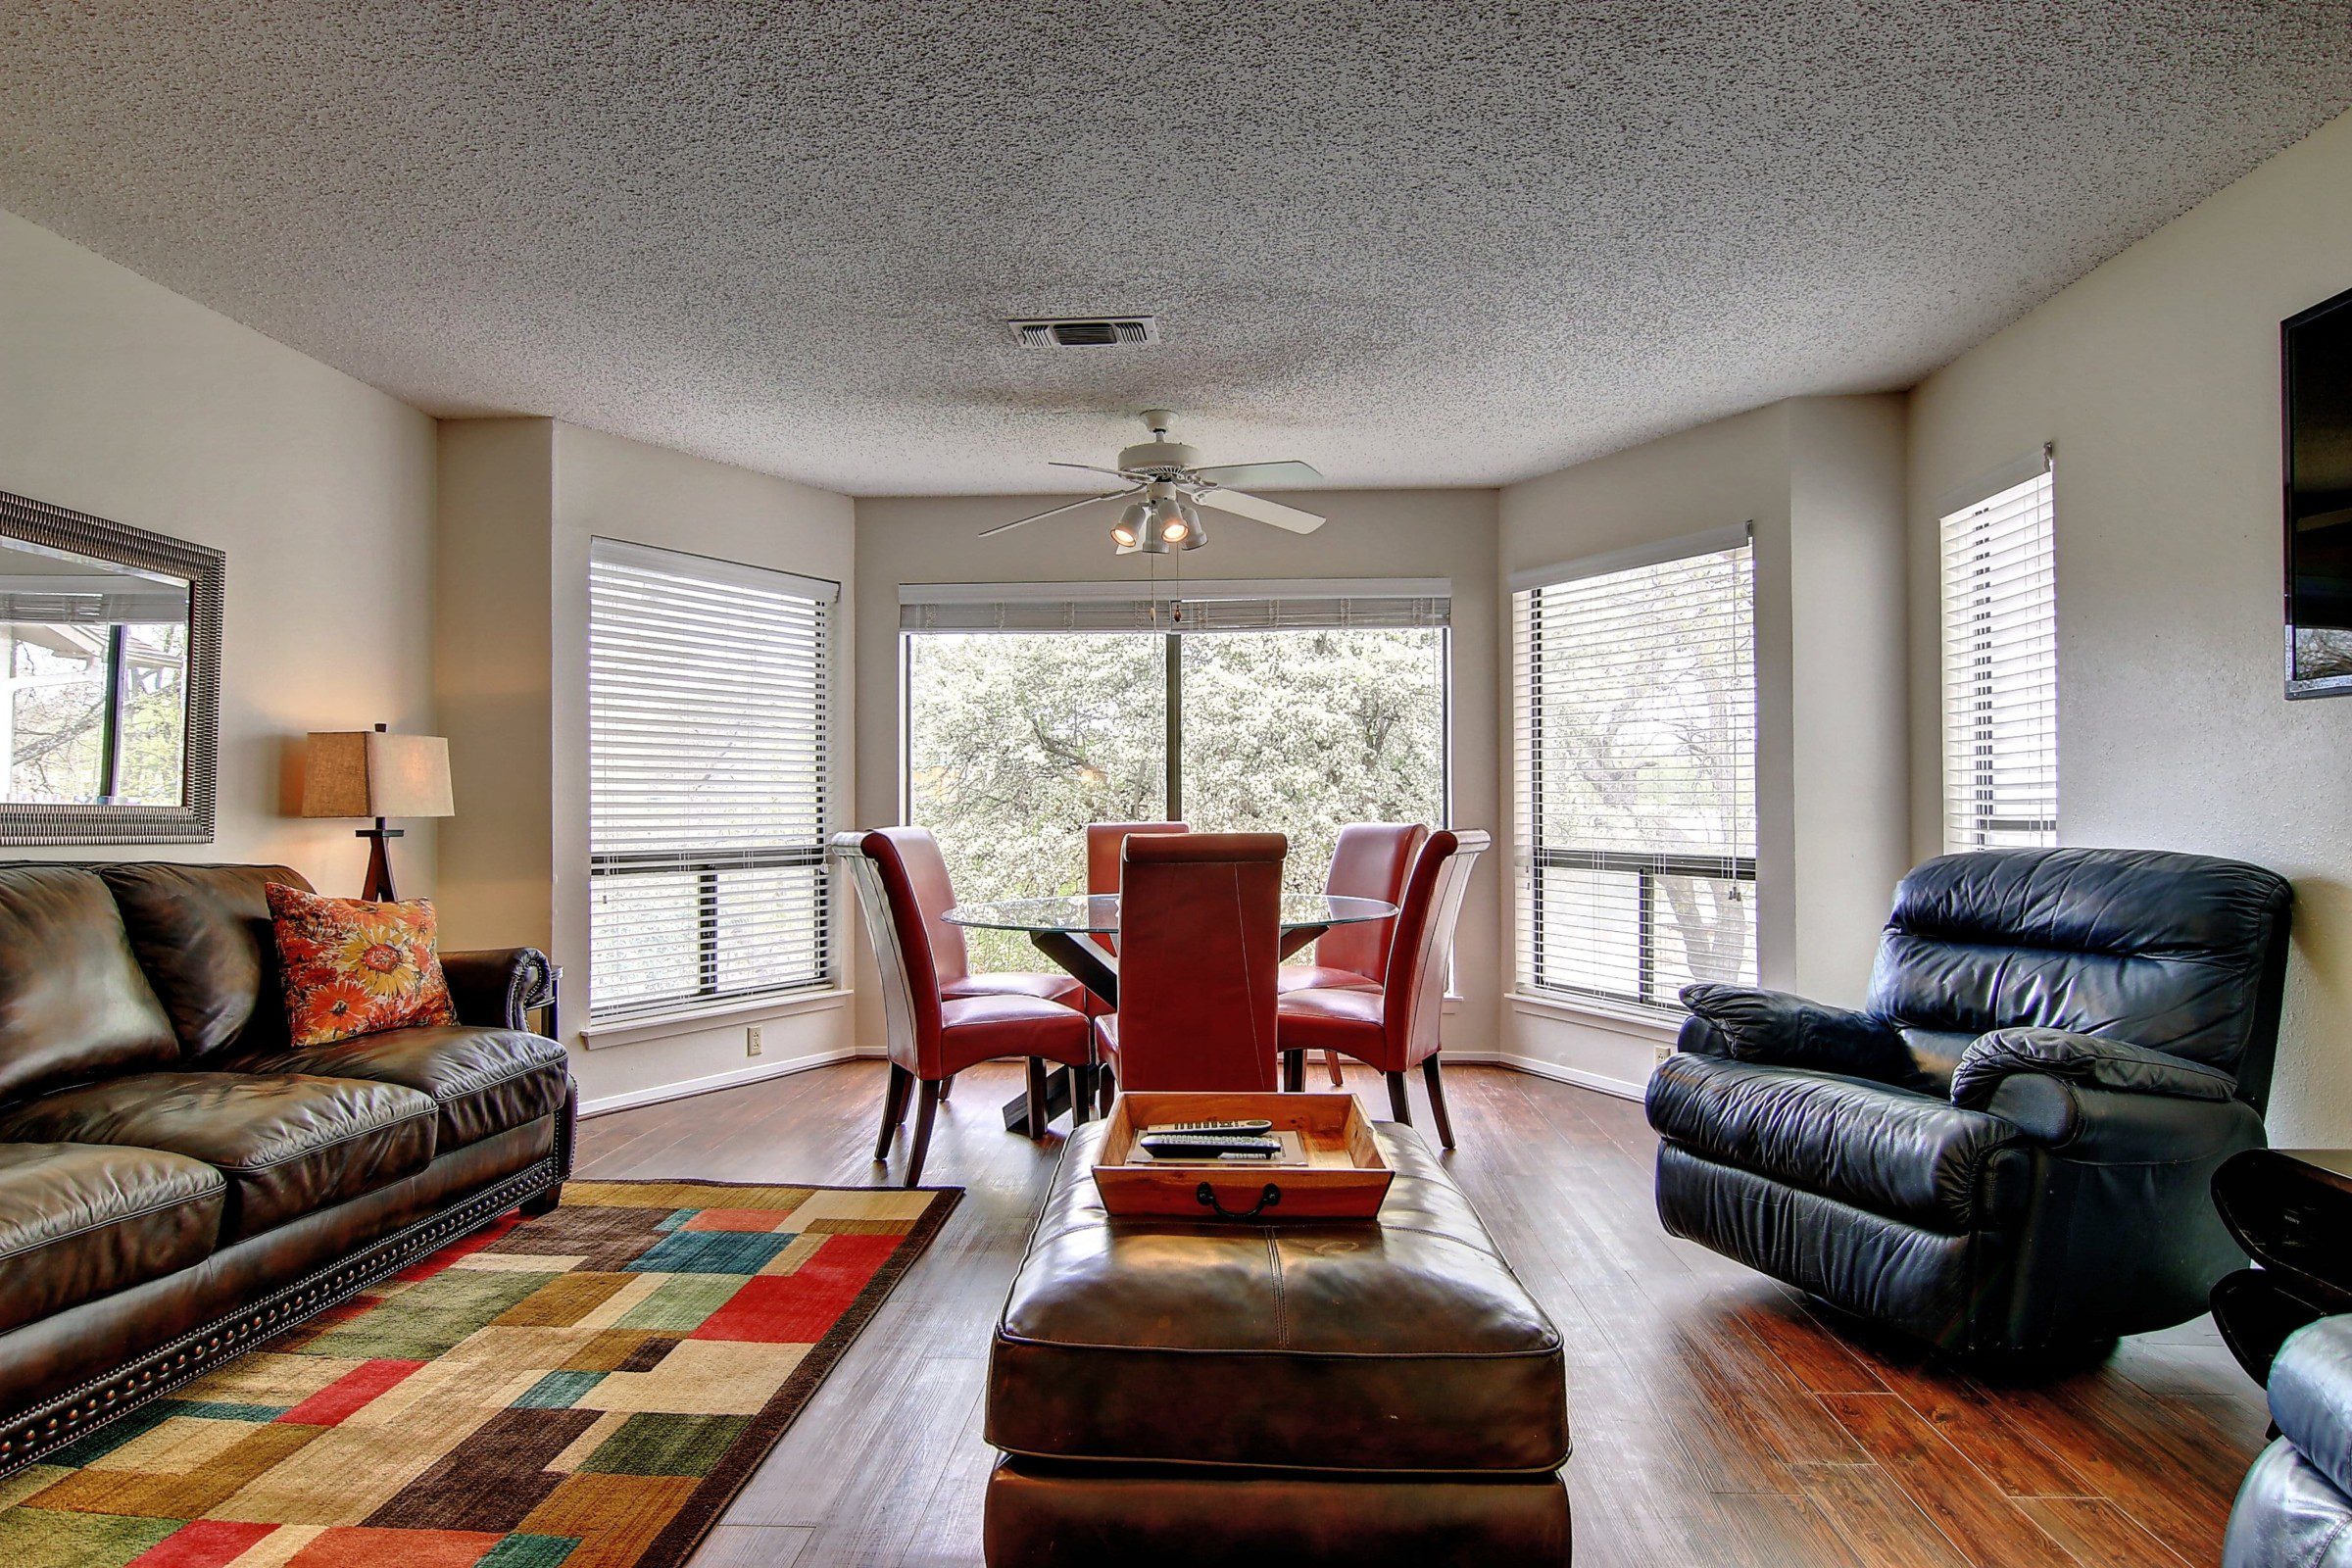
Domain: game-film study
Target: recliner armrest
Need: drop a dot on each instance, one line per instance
(2311, 1395)
(1774, 1028)
(497, 987)
(2085, 1059)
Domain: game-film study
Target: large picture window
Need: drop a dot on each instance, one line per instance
(1297, 713)
(707, 690)
(1634, 721)
(2000, 669)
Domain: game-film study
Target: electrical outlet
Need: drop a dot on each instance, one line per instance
(750, 1041)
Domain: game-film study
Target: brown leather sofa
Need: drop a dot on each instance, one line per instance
(177, 1183)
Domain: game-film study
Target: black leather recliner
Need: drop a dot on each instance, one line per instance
(2294, 1512)
(2009, 1148)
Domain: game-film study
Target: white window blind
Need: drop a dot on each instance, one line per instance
(2000, 670)
(1635, 719)
(708, 685)
(1362, 604)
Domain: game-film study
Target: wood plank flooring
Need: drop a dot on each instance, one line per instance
(1719, 1418)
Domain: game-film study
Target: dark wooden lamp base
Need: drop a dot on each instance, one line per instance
(378, 889)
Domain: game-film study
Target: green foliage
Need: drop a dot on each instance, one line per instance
(1015, 742)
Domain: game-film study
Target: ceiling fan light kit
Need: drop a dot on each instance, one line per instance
(1166, 486)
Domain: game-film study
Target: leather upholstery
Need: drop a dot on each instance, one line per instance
(495, 988)
(202, 935)
(1397, 1027)
(1042, 1515)
(1890, 1151)
(53, 1353)
(78, 1220)
(928, 1034)
(1338, 1346)
(1059, 988)
(1199, 930)
(2176, 952)
(1370, 861)
(2293, 1510)
(1106, 843)
(286, 1144)
(2104, 1021)
(1315, 977)
(481, 1081)
(72, 1001)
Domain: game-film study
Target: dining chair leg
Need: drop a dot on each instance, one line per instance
(947, 1087)
(1106, 1087)
(1331, 1064)
(1437, 1101)
(1399, 1106)
(924, 1112)
(1082, 1095)
(894, 1110)
(1037, 1097)
(1293, 1072)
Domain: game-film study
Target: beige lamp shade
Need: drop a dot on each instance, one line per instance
(370, 773)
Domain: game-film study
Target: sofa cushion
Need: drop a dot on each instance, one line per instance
(1890, 1151)
(484, 1081)
(353, 966)
(1341, 1345)
(78, 1221)
(288, 1144)
(72, 1001)
(202, 935)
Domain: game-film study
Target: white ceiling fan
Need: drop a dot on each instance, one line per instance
(1168, 485)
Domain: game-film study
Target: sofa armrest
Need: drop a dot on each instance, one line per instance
(1776, 1029)
(2311, 1396)
(497, 987)
(2084, 1059)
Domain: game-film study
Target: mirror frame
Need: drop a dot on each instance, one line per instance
(205, 570)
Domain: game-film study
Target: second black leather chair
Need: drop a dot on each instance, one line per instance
(2010, 1148)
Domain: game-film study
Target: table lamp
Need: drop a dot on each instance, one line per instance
(372, 773)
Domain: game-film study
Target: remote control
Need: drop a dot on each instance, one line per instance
(1206, 1145)
(1251, 1128)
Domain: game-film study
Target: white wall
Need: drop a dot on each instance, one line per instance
(121, 399)
(521, 500)
(2157, 378)
(1383, 534)
(1820, 480)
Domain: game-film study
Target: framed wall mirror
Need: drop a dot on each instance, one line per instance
(109, 693)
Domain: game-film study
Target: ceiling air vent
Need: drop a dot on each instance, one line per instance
(1086, 331)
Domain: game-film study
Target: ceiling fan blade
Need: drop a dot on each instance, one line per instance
(1092, 468)
(1286, 472)
(1259, 510)
(1056, 512)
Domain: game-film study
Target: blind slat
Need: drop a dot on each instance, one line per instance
(708, 684)
(1634, 718)
(2000, 670)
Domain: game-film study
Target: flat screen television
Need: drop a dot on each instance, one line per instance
(2315, 349)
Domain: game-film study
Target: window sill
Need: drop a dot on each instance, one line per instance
(667, 1025)
(1622, 1020)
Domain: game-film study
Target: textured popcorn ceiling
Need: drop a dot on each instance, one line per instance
(1412, 243)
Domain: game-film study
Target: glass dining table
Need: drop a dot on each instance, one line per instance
(1058, 927)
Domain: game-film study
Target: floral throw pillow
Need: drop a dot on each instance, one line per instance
(352, 967)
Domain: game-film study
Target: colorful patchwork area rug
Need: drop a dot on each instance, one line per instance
(585, 1390)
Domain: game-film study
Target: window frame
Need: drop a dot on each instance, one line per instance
(1646, 866)
(708, 864)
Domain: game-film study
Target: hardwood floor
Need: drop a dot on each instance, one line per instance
(1719, 1419)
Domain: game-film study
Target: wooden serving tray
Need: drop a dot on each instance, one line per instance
(1342, 1175)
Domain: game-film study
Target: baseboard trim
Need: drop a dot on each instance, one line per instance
(1535, 1066)
(688, 1088)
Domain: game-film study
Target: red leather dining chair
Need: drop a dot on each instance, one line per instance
(1369, 862)
(1200, 932)
(1104, 842)
(1396, 1028)
(901, 886)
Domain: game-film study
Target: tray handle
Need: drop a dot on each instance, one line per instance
(1206, 1195)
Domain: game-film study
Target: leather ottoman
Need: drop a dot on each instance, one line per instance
(1359, 1392)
